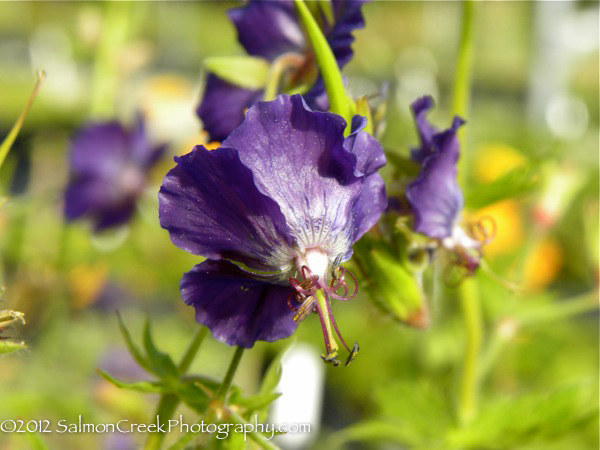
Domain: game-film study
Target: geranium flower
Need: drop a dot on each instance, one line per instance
(435, 196)
(271, 29)
(109, 169)
(275, 210)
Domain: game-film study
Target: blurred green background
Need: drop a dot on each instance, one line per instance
(534, 105)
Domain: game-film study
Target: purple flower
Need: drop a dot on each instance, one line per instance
(271, 29)
(109, 169)
(435, 196)
(275, 210)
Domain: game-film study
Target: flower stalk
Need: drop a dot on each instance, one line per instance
(468, 292)
(334, 84)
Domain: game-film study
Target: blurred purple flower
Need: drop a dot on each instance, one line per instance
(435, 196)
(271, 29)
(285, 195)
(109, 169)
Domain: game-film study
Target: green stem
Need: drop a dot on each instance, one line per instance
(168, 402)
(115, 29)
(339, 102)
(276, 72)
(192, 349)
(468, 292)
(14, 132)
(233, 365)
(471, 309)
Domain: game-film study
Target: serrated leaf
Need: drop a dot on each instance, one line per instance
(254, 402)
(516, 183)
(374, 430)
(193, 396)
(246, 71)
(149, 387)
(133, 349)
(160, 363)
(514, 421)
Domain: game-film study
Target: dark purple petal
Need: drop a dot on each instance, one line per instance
(100, 149)
(223, 106)
(369, 153)
(348, 17)
(109, 167)
(210, 205)
(268, 28)
(94, 198)
(238, 310)
(143, 153)
(435, 195)
(425, 130)
(369, 205)
(293, 153)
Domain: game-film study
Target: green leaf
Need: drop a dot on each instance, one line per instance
(364, 109)
(254, 402)
(135, 352)
(394, 286)
(193, 396)
(246, 71)
(512, 422)
(405, 165)
(326, 8)
(161, 364)
(11, 346)
(149, 387)
(516, 183)
(330, 71)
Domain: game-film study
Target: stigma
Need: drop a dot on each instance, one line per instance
(318, 284)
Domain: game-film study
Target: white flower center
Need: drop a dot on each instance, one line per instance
(316, 260)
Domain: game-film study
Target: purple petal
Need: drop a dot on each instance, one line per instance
(435, 195)
(293, 153)
(238, 310)
(223, 106)
(268, 28)
(348, 17)
(426, 131)
(143, 152)
(369, 153)
(211, 207)
(369, 205)
(100, 149)
(94, 197)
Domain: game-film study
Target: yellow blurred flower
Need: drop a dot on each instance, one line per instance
(509, 226)
(491, 161)
(543, 263)
(86, 283)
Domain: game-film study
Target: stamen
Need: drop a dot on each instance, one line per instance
(314, 295)
(484, 229)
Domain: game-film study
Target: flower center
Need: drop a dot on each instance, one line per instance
(312, 293)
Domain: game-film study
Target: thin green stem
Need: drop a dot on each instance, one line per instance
(468, 292)
(14, 132)
(276, 72)
(334, 84)
(115, 29)
(192, 349)
(471, 309)
(461, 99)
(168, 402)
(233, 365)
